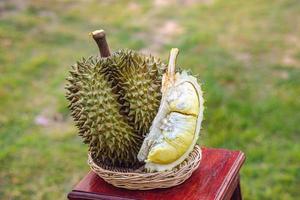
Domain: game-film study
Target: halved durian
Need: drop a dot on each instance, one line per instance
(176, 127)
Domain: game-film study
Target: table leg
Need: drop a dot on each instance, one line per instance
(237, 195)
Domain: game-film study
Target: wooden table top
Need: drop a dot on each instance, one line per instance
(216, 178)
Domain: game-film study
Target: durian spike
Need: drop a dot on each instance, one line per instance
(100, 39)
(169, 77)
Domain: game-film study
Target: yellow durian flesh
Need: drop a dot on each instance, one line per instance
(176, 127)
(184, 99)
(162, 153)
(178, 133)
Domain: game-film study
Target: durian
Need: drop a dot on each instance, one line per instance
(114, 100)
(132, 109)
(138, 79)
(176, 127)
(95, 109)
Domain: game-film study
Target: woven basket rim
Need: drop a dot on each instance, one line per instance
(132, 172)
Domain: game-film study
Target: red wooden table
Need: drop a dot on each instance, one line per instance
(216, 178)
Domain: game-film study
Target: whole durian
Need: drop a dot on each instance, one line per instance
(113, 100)
(96, 111)
(138, 79)
(176, 127)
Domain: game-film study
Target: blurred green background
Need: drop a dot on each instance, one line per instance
(247, 54)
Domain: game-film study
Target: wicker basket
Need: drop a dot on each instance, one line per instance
(141, 180)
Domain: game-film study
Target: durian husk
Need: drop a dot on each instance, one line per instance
(170, 79)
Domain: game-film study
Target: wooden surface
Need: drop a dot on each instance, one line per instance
(216, 178)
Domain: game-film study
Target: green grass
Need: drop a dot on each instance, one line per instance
(245, 52)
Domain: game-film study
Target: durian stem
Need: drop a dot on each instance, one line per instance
(172, 64)
(100, 39)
